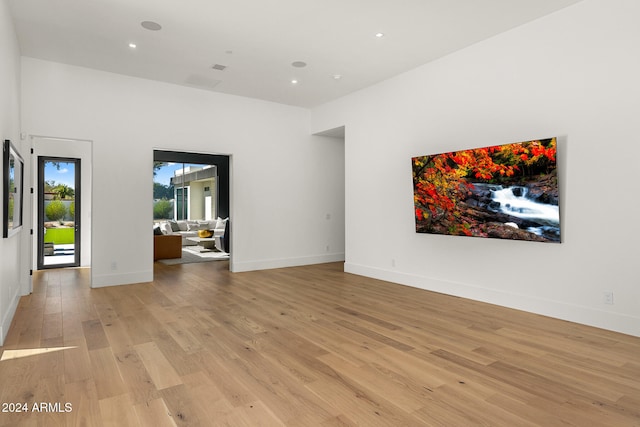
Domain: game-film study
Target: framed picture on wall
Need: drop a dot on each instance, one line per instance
(12, 181)
(507, 191)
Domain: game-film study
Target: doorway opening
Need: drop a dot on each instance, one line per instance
(191, 200)
(59, 196)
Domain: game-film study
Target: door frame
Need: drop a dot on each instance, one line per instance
(41, 160)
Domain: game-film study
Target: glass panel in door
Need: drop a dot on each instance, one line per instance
(59, 206)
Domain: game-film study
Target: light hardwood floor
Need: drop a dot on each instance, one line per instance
(304, 346)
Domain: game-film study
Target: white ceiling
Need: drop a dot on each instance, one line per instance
(259, 39)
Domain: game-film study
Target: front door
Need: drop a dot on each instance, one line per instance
(58, 212)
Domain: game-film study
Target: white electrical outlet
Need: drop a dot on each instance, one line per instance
(114, 265)
(608, 297)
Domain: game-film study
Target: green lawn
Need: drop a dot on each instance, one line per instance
(60, 236)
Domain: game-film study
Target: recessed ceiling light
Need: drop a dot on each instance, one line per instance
(133, 45)
(151, 26)
(337, 76)
(299, 64)
(294, 82)
(379, 35)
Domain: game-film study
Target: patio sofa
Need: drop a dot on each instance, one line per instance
(190, 228)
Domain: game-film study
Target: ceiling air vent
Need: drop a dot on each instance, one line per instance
(219, 67)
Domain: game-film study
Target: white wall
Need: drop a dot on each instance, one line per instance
(196, 200)
(279, 194)
(11, 254)
(572, 74)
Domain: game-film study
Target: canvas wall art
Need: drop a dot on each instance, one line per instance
(505, 191)
(12, 181)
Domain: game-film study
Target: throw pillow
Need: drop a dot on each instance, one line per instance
(174, 226)
(221, 223)
(157, 231)
(165, 227)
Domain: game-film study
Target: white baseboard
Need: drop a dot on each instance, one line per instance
(268, 264)
(7, 317)
(603, 319)
(102, 280)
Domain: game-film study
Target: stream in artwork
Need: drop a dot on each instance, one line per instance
(514, 201)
